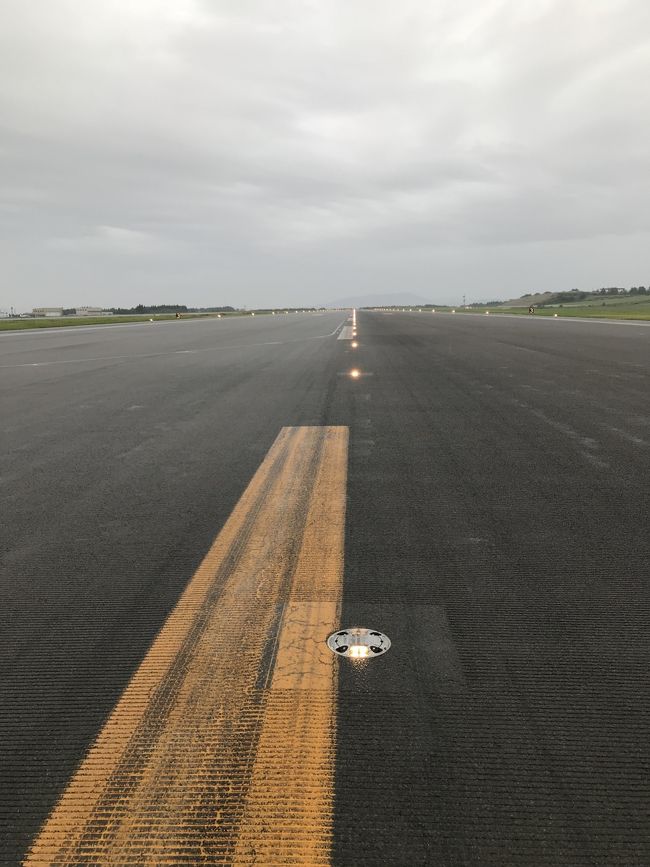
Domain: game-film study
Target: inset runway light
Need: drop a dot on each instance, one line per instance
(355, 374)
(354, 344)
(359, 643)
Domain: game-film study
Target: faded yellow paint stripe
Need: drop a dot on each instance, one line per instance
(177, 775)
(288, 814)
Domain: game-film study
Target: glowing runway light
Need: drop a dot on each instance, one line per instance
(354, 344)
(358, 643)
(355, 374)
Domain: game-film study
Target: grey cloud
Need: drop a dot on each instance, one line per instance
(255, 153)
(108, 239)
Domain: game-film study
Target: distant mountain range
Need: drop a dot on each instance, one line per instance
(398, 299)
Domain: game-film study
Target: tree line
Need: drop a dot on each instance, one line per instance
(168, 308)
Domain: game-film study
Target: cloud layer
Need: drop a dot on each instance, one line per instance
(258, 153)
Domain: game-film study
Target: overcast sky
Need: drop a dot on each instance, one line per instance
(296, 151)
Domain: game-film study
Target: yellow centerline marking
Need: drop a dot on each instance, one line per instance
(221, 748)
(294, 765)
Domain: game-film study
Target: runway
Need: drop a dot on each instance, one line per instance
(479, 493)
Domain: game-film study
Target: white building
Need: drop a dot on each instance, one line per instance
(47, 311)
(91, 311)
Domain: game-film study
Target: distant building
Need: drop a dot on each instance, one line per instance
(47, 311)
(91, 311)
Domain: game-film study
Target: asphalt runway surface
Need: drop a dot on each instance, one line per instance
(495, 513)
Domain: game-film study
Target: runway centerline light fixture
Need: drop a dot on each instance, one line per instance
(359, 643)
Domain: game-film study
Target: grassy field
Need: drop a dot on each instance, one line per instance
(611, 308)
(610, 312)
(614, 301)
(62, 321)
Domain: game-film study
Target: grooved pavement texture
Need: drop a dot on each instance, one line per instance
(496, 530)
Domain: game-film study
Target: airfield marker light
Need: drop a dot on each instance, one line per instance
(453, 311)
(354, 344)
(359, 643)
(355, 374)
(555, 316)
